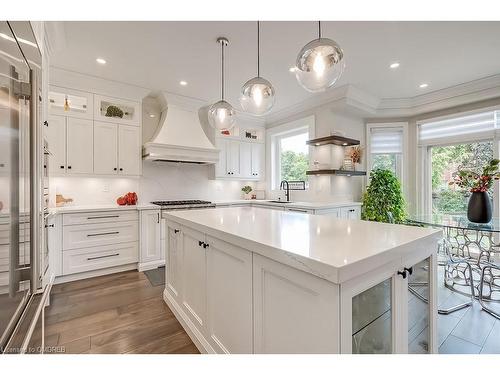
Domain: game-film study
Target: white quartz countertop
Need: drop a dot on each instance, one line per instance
(333, 249)
(305, 205)
(102, 207)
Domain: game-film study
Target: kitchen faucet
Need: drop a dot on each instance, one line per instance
(287, 192)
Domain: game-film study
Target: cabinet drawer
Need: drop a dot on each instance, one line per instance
(78, 236)
(99, 217)
(94, 258)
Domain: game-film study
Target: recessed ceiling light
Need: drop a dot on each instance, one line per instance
(100, 61)
(183, 83)
(423, 85)
(151, 115)
(394, 65)
(292, 69)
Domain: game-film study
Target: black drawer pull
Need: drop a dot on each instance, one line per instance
(104, 256)
(402, 273)
(49, 225)
(101, 234)
(205, 245)
(200, 243)
(102, 217)
(297, 210)
(409, 270)
(176, 231)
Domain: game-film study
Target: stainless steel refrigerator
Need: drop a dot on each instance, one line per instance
(23, 294)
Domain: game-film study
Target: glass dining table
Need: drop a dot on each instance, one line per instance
(469, 254)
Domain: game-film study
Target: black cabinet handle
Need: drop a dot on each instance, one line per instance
(69, 166)
(205, 245)
(62, 166)
(409, 270)
(46, 123)
(121, 169)
(49, 226)
(115, 169)
(176, 230)
(402, 273)
(200, 243)
(158, 218)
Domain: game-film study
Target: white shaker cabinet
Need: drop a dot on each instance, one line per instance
(245, 159)
(105, 148)
(173, 269)
(117, 149)
(56, 137)
(194, 293)
(150, 248)
(257, 151)
(79, 149)
(229, 289)
(70, 144)
(353, 212)
(129, 150)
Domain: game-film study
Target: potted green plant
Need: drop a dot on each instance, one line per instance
(383, 200)
(246, 191)
(479, 208)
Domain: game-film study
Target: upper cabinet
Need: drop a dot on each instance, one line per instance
(241, 155)
(91, 134)
(117, 110)
(71, 103)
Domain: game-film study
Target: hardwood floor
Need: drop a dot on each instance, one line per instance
(119, 313)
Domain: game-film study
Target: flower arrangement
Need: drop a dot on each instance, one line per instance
(246, 189)
(477, 182)
(355, 154)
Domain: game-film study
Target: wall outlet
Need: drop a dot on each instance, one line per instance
(105, 188)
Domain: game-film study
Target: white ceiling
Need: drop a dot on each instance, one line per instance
(158, 55)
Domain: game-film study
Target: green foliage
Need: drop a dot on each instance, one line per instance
(246, 189)
(384, 161)
(450, 202)
(114, 111)
(383, 200)
(294, 166)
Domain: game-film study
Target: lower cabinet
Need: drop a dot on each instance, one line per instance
(233, 300)
(211, 281)
(229, 290)
(294, 312)
(150, 245)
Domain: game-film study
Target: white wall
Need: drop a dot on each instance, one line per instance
(330, 188)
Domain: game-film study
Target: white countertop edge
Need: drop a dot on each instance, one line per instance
(304, 205)
(336, 275)
(78, 209)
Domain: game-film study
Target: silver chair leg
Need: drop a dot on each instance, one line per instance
(480, 297)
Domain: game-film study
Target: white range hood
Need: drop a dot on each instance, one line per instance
(178, 136)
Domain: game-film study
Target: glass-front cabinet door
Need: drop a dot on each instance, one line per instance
(68, 102)
(390, 310)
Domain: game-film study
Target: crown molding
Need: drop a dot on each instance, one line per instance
(352, 100)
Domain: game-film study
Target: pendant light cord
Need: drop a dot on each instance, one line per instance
(319, 29)
(258, 48)
(222, 69)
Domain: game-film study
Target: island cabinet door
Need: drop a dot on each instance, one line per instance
(229, 297)
(173, 267)
(194, 296)
(420, 317)
(389, 309)
(294, 311)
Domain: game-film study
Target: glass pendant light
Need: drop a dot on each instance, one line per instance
(319, 64)
(221, 115)
(257, 94)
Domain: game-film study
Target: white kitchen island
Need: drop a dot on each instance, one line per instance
(254, 280)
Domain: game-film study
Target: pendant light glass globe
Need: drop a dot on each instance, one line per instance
(257, 96)
(221, 115)
(320, 63)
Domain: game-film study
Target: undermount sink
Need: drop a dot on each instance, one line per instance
(279, 202)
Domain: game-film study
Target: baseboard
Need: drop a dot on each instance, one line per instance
(150, 265)
(89, 274)
(193, 332)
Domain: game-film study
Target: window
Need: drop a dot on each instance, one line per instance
(292, 155)
(445, 162)
(385, 147)
(448, 144)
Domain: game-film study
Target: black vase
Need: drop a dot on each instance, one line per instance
(479, 209)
